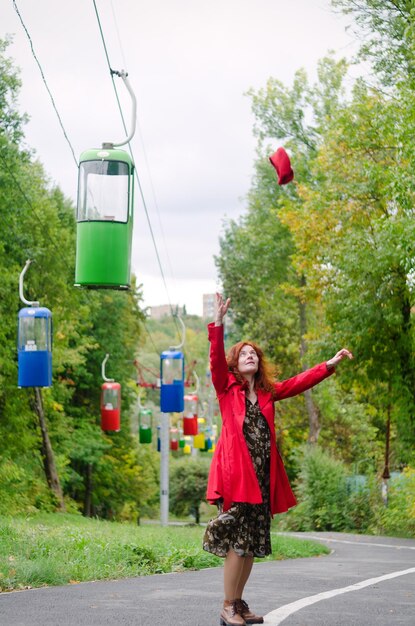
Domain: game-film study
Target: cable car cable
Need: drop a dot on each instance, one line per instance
(140, 134)
(135, 171)
(29, 203)
(152, 340)
(44, 80)
(118, 33)
(131, 152)
(148, 170)
(44, 225)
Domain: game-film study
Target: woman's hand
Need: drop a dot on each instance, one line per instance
(341, 354)
(221, 309)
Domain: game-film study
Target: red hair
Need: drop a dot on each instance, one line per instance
(264, 377)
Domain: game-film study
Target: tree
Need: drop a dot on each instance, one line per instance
(269, 291)
(349, 220)
(64, 443)
(360, 266)
(386, 29)
(188, 482)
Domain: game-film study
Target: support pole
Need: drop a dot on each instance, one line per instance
(48, 456)
(164, 469)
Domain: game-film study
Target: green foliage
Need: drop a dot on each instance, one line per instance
(38, 223)
(322, 492)
(398, 517)
(47, 551)
(163, 333)
(10, 120)
(330, 498)
(261, 243)
(349, 429)
(188, 482)
(57, 549)
(324, 262)
(23, 487)
(288, 547)
(363, 504)
(386, 30)
(359, 263)
(260, 265)
(349, 230)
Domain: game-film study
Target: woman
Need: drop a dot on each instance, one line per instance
(247, 479)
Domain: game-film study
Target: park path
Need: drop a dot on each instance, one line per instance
(194, 598)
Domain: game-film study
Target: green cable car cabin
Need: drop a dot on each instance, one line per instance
(104, 219)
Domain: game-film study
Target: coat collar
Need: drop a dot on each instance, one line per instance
(263, 396)
(232, 381)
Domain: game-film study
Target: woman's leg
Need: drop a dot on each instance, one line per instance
(248, 561)
(242, 607)
(232, 574)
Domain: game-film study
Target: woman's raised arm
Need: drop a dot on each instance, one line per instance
(218, 364)
(221, 309)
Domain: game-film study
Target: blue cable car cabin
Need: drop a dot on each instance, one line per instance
(172, 381)
(34, 347)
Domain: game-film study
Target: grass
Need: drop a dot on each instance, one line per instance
(59, 549)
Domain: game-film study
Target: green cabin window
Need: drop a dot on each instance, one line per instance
(103, 191)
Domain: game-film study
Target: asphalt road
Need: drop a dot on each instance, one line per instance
(365, 581)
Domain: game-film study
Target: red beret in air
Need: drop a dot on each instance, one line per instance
(281, 161)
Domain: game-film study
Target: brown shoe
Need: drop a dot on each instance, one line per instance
(245, 612)
(229, 615)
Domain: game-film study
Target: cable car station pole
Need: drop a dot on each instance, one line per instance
(164, 468)
(171, 401)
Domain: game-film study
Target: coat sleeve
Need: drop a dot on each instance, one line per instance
(297, 384)
(218, 364)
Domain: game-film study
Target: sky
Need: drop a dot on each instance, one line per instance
(190, 64)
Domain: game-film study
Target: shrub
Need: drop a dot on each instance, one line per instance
(398, 517)
(331, 500)
(21, 489)
(188, 481)
(363, 504)
(322, 492)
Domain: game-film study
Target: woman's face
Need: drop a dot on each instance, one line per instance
(248, 360)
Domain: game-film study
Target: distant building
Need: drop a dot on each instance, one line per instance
(164, 310)
(209, 306)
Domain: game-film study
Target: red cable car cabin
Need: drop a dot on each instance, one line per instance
(190, 415)
(174, 439)
(111, 406)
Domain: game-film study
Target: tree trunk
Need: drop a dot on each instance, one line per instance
(197, 515)
(313, 418)
(405, 344)
(312, 411)
(87, 512)
(48, 456)
(386, 472)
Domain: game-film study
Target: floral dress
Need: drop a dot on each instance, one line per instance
(244, 527)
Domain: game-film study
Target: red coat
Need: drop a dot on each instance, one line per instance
(232, 475)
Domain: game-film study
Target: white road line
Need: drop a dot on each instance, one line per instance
(354, 543)
(279, 615)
